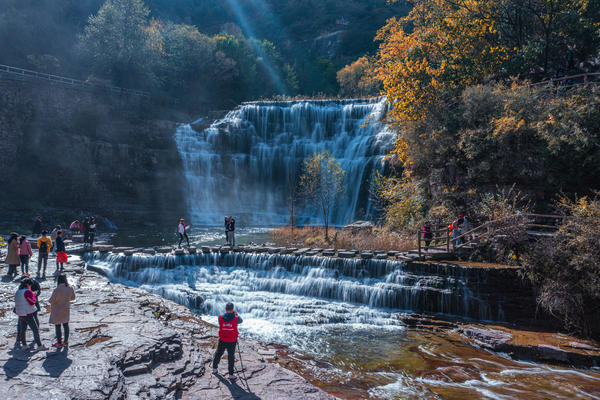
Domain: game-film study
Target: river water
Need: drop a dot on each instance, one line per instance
(341, 319)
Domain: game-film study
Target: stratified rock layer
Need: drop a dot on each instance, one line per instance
(128, 344)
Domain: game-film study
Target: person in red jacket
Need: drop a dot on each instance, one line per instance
(228, 336)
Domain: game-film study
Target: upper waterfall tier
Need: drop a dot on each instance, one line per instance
(245, 164)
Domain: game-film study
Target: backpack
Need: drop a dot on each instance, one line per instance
(44, 247)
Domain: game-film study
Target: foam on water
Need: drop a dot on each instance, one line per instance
(343, 312)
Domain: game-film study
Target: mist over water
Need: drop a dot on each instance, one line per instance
(246, 164)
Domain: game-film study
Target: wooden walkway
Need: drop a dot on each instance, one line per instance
(535, 226)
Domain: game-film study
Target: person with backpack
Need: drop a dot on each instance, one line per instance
(228, 336)
(12, 257)
(25, 308)
(25, 254)
(182, 231)
(44, 244)
(61, 252)
(60, 310)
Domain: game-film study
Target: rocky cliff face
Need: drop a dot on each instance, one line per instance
(73, 149)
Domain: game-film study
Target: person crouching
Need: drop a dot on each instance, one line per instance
(228, 336)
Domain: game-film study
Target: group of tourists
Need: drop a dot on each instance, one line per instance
(456, 229)
(27, 306)
(87, 228)
(182, 229)
(20, 253)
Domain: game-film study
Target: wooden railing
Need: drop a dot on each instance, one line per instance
(534, 224)
(76, 83)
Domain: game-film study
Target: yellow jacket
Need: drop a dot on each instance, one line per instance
(47, 240)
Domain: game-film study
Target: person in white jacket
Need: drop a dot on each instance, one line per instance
(182, 230)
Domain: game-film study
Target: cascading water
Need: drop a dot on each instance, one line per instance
(246, 164)
(343, 312)
(204, 282)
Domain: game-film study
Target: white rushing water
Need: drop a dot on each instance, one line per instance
(245, 164)
(343, 312)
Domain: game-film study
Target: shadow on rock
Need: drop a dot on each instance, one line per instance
(17, 363)
(237, 392)
(57, 362)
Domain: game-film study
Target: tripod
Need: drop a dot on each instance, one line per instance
(242, 365)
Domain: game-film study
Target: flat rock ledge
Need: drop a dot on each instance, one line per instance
(128, 344)
(551, 348)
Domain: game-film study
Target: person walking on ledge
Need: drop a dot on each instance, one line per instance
(182, 231)
(228, 336)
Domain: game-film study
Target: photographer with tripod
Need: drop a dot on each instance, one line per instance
(228, 336)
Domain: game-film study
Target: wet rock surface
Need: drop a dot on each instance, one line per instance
(547, 347)
(128, 344)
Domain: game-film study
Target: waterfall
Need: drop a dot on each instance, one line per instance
(246, 163)
(292, 286)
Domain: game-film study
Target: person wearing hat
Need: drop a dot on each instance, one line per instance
(44, 244)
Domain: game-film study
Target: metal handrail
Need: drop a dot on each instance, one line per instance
(68, 81)
(450, 243)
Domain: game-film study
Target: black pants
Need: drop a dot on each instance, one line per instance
(12, 269)
(58, 332)
(230, 346)
(91, 236)
(24, 322)
(24, 263)
(42, 258)
(184, 235)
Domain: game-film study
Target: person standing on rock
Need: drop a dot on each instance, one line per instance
(61, 252)
(182, 231)
(228, 336)
(53, 234)
(12, 257)
(92, 231)
(37, 226)
(231, 231)
(85, 228)
(25, 254)
(44, 244)
(25, 308)
(227, 230)
(60, 310)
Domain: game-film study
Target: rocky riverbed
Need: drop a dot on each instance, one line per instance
(128, 344)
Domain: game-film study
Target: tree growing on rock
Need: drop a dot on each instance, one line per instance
(321, 182)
